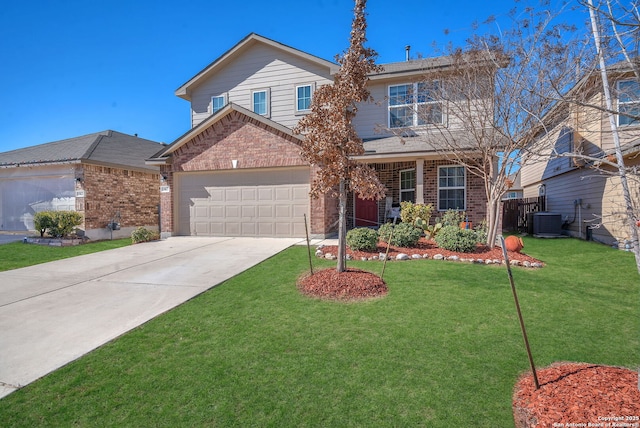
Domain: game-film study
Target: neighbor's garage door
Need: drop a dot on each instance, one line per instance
(269, 203)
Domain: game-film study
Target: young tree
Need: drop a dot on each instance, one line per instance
(330, 139)
(491, 97)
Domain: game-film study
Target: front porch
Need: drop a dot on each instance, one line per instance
(438, 182)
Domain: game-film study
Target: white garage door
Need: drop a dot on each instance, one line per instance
(268, 203)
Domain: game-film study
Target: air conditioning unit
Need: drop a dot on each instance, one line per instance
(547, 224)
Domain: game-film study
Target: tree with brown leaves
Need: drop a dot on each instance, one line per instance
(331, 140)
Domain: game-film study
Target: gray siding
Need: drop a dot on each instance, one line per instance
(261, 67)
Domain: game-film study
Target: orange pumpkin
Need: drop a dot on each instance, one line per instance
(514, 243)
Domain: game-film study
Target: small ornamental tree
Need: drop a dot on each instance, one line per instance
(331, 140)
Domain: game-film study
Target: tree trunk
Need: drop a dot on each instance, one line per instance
(493, 219)
(342, 228)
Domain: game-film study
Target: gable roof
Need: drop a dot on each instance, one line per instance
(184, 90)
(163, 155)
(106, 147)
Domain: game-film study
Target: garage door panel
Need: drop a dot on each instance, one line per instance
(265, 194)
(265, 211)
(249, 229)
(232, 211)
(249, 211)
(232, 195)
(268, 203)
(283, 212)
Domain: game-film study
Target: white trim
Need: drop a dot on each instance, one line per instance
(414, 105)
(635, 102)
(401, 190)
(312, 87)
(267, 92)
(224, 102)
(464, 170)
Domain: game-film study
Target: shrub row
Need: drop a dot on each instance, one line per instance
(57, 224)
(447, 232)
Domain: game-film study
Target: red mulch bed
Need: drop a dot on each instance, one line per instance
(429, 247)
(576, 395)
(352, 284)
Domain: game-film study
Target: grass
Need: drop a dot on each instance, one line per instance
(443, 349)
(16, 254)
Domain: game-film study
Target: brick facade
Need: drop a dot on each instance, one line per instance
(251, 144)
(389, 175)
(111, 190)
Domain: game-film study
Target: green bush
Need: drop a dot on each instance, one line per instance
(43, 221)
(453, 218)
(143, 234)
(362, 239)
(453, 238)
(481, 231)
(410, 212)
(404, 234)
(57, 223)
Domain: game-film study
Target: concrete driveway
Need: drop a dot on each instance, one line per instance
(53, 313)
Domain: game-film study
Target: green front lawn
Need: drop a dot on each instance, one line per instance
(443, 349)
(16, 254)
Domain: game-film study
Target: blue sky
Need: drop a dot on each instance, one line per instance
(73, 67)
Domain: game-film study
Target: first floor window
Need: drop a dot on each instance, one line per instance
(260, 100)
(408, 185)
(303, 98)
(628, 102)
(217, 103)
(451, 188)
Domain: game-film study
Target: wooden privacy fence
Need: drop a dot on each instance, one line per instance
(515, 212)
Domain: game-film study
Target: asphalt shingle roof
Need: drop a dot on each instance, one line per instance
(110, 147)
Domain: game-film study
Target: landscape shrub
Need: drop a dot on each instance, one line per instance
(404, 234)
(362, 239)
(453, 238)
(142, 234)
(410, 212)
(57, 223)
(453, 218)
(43, 221)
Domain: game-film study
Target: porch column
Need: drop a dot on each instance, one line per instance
(419, 181)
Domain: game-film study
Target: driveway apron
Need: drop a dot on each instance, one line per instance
(53, 313)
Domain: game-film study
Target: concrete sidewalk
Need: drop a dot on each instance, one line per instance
(53, 313)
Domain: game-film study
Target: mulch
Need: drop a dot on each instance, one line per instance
(429, 247)
(578, 395)
(350, 285)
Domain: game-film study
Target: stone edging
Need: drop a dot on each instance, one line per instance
(402, 256)
(54, 242)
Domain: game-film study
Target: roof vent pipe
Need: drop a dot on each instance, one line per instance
(407, 50)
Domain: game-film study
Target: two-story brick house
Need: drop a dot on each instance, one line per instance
(238, 171)
(586, 190)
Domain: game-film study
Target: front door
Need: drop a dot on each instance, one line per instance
(366, 212)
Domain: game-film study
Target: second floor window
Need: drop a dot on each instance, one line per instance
(303, 98)
(260, 102)
(628, 102)
(414, 104)
(217, 103)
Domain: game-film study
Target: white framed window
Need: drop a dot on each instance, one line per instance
(414, 104)
(628, 101)
(452, 191)
(408, 185)
(304, 95)
(260, 102)
(217, 103)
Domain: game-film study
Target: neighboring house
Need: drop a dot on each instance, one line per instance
(238, 171)
(514, 190)
(101, 175)
(584, 191)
